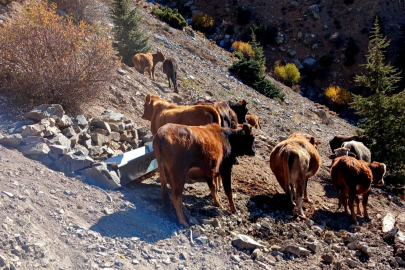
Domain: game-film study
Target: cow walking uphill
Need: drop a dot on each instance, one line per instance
(208, 150)
(147, 61)
(351, 178)
(161, 112)
(170, 69)
(360, 151)
(293, 161)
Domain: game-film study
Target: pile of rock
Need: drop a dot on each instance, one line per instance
(71, 144)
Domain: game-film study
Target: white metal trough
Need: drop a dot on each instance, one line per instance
(134, 164)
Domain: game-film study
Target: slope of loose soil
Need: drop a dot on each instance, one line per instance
(58, 222)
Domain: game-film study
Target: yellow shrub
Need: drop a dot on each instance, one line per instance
(288, 74)
(244, 48)
(45, 58)
(338, 95)
(202, 21)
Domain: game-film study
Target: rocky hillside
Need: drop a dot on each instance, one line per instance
(53, 221)
(306, 31)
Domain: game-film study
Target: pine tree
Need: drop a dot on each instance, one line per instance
(130, 38)
(383, 111)
(259, 54)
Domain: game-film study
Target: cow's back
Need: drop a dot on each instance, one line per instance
(142, 61)
(358, 148)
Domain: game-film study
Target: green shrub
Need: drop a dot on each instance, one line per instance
(238, 55)
(130, 38)
(351, 50)
(288, 74)
(172, 17)
(250, 73)
(244, 15)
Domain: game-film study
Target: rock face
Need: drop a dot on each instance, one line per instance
(245, 242)
(45, 111)
(71, 162)
(103, 177)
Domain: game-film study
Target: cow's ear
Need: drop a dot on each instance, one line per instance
(333, 156)
(352, 154)
(246, 129)
(312, 140)
(242, 102)
(147, 98)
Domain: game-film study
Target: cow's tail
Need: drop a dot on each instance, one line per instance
(258, 121)
(288, 163)
(174, 77)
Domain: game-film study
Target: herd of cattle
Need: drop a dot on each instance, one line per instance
(202, 143)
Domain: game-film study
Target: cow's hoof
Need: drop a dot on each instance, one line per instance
(233, 210)
(355, 222)
(184, 224)
(367, 216)
(307, 200)
(217, 204)
(185, 209)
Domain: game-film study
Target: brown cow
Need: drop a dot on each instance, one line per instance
(253, 120)
(352, 177)
(147, 61)
(161, 112)
(207, 150)
(170, 69)
(293, 161)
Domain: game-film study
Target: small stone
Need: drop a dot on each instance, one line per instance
(364, 248)
(327, 258)
(388, 222)
(293, 249)
(107, 211)
(245, 242)
(257, 253)
(11, 195)
(351, 263)
(135, 262)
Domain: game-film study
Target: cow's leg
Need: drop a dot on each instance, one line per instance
(352, 196)
(178, 180)
(185, 209)
(358, 205)
(289, 190)
(218, 182)
(306, 198)
(153, 72)
(168, 78)
(211, 184)
(226, 182)
(300, 186)
(364, 202)
(165, 195)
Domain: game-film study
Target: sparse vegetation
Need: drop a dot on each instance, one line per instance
(244, 15)
(258, 53)
(130, 39)
(383, 111)
(170, 16)
(265, 34)
(238, 55)
(45, 58)
(189, 83)
(288, 74)
(338, 95)
(245, 48)
(87, 10)
(202, 23)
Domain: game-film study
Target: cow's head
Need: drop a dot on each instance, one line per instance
(240, 109)
(148, 106)
(243, 141)
(378, 170)
(339, 152)
(160, 57)
(364, 139)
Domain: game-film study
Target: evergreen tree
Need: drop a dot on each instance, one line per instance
(383, 111)
(259, 54)
(130, 38)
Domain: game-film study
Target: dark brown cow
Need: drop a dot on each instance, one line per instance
(253, 120)
(170, 69)
(147, 61)
(338, 140)
(160, 112)
(352, 177)
(293, 161)
(228, 116)
(240, 109)
(207, 150)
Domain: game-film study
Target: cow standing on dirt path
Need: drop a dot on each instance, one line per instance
(208, 150)
(293, 161)
(147, 61)
(170, 69)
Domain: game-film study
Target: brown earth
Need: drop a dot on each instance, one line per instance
(57, 222)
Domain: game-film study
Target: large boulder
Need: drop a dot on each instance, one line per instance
(64, 122)
(34, 149)
(11, 140)
(71, 162)
(111, 116)
(45, 111)
(33, 130)
(102, 176)
(60, 139)
(101, 124)
(245, 242)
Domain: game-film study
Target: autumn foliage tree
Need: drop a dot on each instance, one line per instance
(45, 58)
(338, 95)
